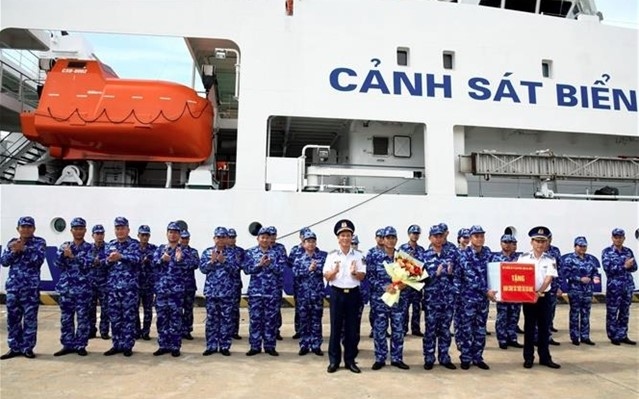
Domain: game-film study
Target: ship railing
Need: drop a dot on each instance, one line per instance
(19, 77)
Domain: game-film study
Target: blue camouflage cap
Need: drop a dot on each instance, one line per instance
(539, 233)
(443, 226)
(121, 221)
(389, 231)
(78, 222)
(172, 226)
(379, 233)
(220, 232)
(144, 229)
(272, 230)
(355, 240)
(309, 235)
(97, 229)
(185, 234)
(617, 232)
(508, 238)
(581, 241)
(463, 233)
(304, 230)
(232, 233)
(26, 221)
(435, 230)
(263, 231)
(476, 229)
(414, 229)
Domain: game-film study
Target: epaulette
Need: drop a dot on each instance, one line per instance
(333, 252)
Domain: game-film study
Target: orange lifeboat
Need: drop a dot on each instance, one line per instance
(87, 112)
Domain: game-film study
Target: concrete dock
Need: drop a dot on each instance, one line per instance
(601, 371)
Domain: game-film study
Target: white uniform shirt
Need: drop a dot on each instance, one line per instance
(544, 266)
(344, 278)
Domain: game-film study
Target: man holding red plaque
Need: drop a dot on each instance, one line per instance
(538, 314)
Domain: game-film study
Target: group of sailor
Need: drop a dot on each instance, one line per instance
(125, 273)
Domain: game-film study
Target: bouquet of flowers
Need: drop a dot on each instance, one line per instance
(404, 270)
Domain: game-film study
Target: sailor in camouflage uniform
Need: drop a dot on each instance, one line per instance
(169, 263)
(507, 313)
(220, 266)
(74, 287)
(192, 262)
(23, 256)
(555, 289)
(123, 261)
(296, 251)
(282, 259)
(439, 295)
(414, 297)
(264, 293)
(238, 254)
(381, 282)
(147, 281)
(471, 281)
(99, 275)
(578, 271)
(365, 285)
(308, 271)
(619, 263)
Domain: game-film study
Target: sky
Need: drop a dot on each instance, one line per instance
(161, 58)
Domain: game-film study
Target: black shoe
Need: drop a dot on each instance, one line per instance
(237, 336)
(503, 346)
(553, 329)
(279, 337)
(271, 352)
(449, 366)
(575, 342)
(550, 364)
(332, 368)
(318, 352)
(388, 335)
(482, 365)
(296, 336)
(465, 365)
(428, 366)
(519, 330)
(400, 365)
(188, 336)
(587, 341)
(528, 364)
(489, 333)
(111, 352)
(252, 352)
(353, 368)
(378, 365)
(161, 351)
(628, 341)
(82, 352)
(553, 342)
(225, 352)
(515, 344)
(29, 354)
(93, 334)
(175, 353)
(10, 355)
(370, 335)
(127, 352)
(105, 336)
(418, 333)
(208, 352)
(303, 351)
(64, 351)
(146, 337)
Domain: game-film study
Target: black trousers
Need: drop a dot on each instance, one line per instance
(344, 317)
(537, 315)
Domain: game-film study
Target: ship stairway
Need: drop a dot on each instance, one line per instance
(547, 166)
(17, 150)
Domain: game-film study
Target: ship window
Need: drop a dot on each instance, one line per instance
(546, 68)
(58, 224)
(380, 145)
(402, 56)
(401, 146)
(448, 58)
(77, 64)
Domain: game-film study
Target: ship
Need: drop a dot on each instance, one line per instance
(504, 114)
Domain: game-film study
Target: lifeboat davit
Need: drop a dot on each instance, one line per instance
(87, 112)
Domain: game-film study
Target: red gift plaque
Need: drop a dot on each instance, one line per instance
(517, 282)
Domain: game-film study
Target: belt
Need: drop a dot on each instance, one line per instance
(344, 290)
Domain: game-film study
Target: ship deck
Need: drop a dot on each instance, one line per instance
(602, 371)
